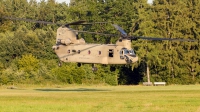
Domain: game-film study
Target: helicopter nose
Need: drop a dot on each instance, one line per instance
(134, 59)
(129, 59)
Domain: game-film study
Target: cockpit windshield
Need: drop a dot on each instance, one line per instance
(131, 52)
(126, 51)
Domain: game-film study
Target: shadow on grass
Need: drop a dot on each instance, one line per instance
(76, 90)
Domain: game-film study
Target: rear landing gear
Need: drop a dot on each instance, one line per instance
(59, 63)
(94, 69)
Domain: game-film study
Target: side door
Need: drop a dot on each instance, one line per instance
(111, 53)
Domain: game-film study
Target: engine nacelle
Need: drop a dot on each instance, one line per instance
(66, 41)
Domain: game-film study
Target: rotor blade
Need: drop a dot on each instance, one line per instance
(120, 29)
(44, 22)
(99, 22)
(75, 23)
(154, 38)
(95, 33)
(91, 23)
(30, 20)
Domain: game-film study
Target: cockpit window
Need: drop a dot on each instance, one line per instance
(125, 51)
(131, 52)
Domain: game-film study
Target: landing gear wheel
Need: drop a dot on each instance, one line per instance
(59, 63)
(94, 69)
(127, 59)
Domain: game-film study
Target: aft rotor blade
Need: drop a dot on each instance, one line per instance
(75, 23)
(44, 22)
(82, 22)
(154, 38)
(95, 33)
(120, 29)
(30, 20)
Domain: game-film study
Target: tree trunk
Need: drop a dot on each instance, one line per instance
(148, 76)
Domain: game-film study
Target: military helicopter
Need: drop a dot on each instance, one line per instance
(69, 48)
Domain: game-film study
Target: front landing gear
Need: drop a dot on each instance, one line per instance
(94, 69)
(59, 63)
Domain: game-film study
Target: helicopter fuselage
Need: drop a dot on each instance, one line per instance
(96, 54)
(71, 49)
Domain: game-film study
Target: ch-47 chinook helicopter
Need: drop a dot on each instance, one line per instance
(69, 48)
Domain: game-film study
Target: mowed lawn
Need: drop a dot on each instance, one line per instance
(101, 99)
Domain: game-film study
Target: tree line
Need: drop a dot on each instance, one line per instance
(26, 54)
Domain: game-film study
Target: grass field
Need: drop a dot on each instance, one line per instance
(101, 99)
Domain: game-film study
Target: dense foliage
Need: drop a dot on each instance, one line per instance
(26, 55)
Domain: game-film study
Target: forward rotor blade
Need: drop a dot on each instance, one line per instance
(91, 23)
(154, 38)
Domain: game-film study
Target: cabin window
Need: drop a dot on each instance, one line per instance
(121, 54)
(79, 51)
(89, 52)
(99, 52)
(111, 51)
(68, 51)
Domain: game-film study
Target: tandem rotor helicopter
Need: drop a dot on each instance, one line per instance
(69, 48)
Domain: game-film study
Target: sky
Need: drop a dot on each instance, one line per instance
(150, 1)
(67, 1)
